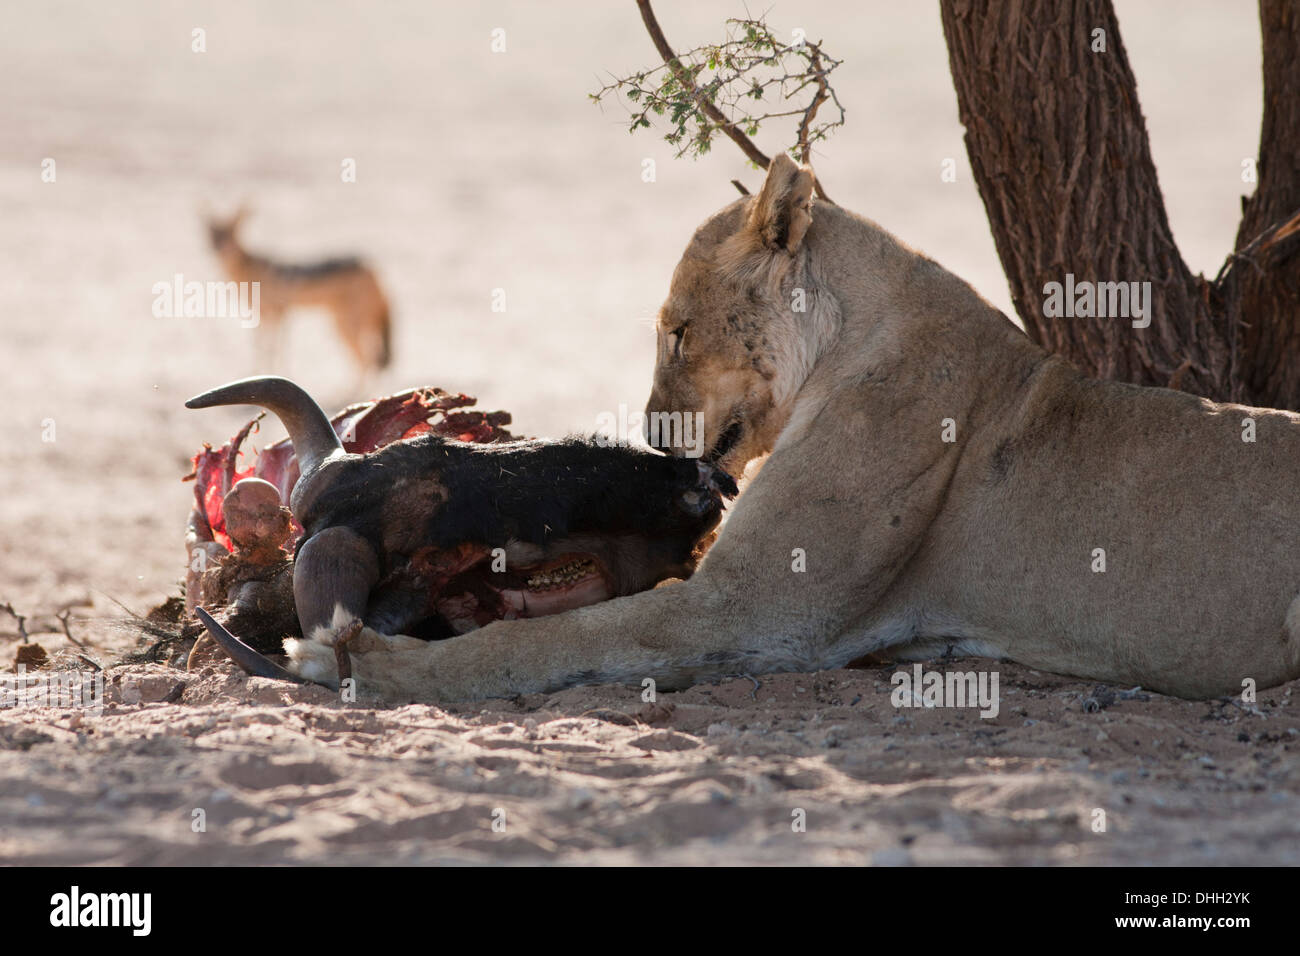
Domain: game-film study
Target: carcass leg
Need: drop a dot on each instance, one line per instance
(332, 578)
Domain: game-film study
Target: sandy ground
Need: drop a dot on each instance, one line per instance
(481, 171)
(811, 768)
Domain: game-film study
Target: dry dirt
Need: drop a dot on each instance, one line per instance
(717, 773)
(477, 172)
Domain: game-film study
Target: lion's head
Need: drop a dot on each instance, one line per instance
(733, 336)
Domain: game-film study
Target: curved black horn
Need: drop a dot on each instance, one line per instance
(249, 660)
(309, 427)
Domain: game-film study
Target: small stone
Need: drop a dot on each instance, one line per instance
(31, 655)
(155, 688)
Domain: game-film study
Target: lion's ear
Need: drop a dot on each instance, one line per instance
(782, 212)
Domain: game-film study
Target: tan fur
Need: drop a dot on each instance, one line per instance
(351, 294)
(915, 545)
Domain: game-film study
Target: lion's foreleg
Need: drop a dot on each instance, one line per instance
(673, 636)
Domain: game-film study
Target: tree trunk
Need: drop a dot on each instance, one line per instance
(1267, 299)
(1059, 150)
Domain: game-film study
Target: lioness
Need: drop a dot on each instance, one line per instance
(936, 481)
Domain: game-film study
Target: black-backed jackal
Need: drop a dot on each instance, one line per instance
(345, 286)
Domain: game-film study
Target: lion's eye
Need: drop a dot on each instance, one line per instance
(675, 339)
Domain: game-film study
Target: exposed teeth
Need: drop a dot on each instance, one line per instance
(562, 576)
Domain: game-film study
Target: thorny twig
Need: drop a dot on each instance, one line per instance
(20, 618)
(823, 93)
(62, 617)
(742, 69)
(685, 78)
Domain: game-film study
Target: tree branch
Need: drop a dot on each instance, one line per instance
(708, 107)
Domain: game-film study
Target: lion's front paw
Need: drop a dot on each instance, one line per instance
(341, 646)
(370, 641)
(312, 660)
